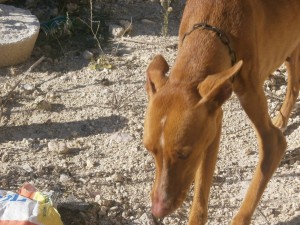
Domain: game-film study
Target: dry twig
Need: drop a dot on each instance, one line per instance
(123, 39)
(267, 221)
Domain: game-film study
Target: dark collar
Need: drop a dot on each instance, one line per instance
(223, 37)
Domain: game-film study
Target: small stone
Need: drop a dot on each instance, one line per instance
(82, 180)
(51, 96)
(28, 89)
(118, 177)
(147, 219)
(97, 198)
(147, 21)
(35, 94)
(131, 58)
(249, 151)
(43, 104)
(59, 147)
(64, 178)
(89, 164)
(114, 208)
(121, 137)
(279, 92)
(27, 168)
(116, 30)
(5, 157)
(87, 55)
(52, 146)
(62, 148)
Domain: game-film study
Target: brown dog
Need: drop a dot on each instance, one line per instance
(184, 115)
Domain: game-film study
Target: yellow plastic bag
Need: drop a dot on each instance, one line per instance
(28, 207)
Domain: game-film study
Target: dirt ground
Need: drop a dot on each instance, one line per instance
(76, 130)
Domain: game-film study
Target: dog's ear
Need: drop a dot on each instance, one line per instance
(217, 88)
(156, 74)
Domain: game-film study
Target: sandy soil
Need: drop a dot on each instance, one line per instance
(78, 131)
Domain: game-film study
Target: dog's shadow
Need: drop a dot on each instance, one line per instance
(291, 128)
(294, 221)
(291, 157)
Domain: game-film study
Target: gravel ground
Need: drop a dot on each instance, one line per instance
(78, 131)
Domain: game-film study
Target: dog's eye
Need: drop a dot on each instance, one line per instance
(183, 153)
(182, 156)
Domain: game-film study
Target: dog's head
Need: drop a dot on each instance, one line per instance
(180, 124)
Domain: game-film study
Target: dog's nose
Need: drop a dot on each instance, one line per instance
(160, 208)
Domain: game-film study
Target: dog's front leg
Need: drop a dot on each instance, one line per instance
(272, 145)
(203, 181)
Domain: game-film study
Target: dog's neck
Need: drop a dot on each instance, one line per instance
(191, 69)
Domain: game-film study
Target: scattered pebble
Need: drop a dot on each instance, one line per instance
(87, 55)
(64, 178)
(27, 168)
(89, 164)
(121, 137)
(59, 147)
(116, 30)
(5, 157)
(28, 89)
(43, 104)
(147, 21)
(146, 219)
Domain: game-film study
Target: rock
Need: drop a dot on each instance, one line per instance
(63, 148)
(131, 58)
(64, 178)
(97, 198)
(87, 55)
(116, 30)
(118, 177)
(249, 151)
(146, 21)
(147, 219)
(89, 164)
(50, 96)
(52, 146)
(27, 168)
(19, 30)
(43, 104)
(28, 89)
(121, 137)
(5, 157)
(59, 147)
(170, 9)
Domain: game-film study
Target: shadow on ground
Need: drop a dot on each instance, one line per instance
(63, 130)
(90, 214)
(294, 221)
